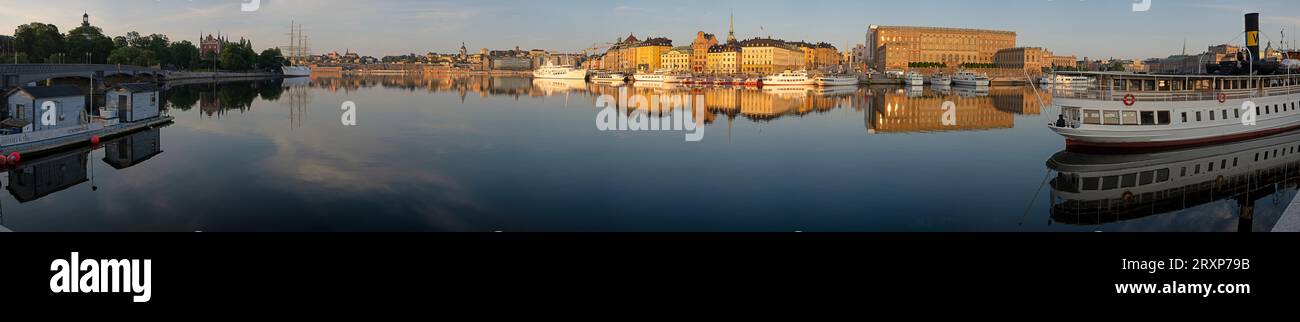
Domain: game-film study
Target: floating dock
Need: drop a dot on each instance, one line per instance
(38, 148)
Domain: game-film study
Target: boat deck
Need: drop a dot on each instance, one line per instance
(46, 146)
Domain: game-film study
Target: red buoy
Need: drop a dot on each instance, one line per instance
(94, 139)
(14, 157)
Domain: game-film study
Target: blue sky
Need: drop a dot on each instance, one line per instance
(1093, 28)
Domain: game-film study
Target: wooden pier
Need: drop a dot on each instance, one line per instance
(33, 149)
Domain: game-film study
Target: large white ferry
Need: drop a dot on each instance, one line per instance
(1127, 110)
(559, 72)
(1065, 80)
(789, 78)
(914, 79)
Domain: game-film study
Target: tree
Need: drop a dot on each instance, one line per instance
(270, 58)
(88, 44)
(237, 57)
(38, 41)
(119, 42)
(132, 56)
(183, 54)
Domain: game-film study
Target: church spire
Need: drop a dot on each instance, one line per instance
(731, 27)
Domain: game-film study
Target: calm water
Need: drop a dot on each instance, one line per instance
(511, 154)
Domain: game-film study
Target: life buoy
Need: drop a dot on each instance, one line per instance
(1220, 181)
(1128, 197)
(1223, 97)
(1129, 100)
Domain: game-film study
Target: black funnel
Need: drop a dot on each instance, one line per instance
(1252, 36)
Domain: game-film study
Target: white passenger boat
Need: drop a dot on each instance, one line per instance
(914, 79)
(939, 79)
(656, 76)
(789, 78)
(1065, 80)
(1151, 111)
(967, 78)
(559, 72)
(677, 78)
(607, 77)
(836, 80)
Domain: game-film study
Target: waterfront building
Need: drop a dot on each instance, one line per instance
(818, 56)
(678, 59)
(131, 102)
(724, 59)
(511, 63)
(700, 51)
(1031, 59)
(894, 47)
(622, 55)
(211, 46)
(649, 53)
(766, 56)
(22, 110)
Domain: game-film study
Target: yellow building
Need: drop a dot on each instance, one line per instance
(622, 56)
(649, 53)
(678, 59)
(724, 59)
(767, 56)
(820, 55)
(894, 47)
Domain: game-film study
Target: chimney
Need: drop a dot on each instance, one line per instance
(1252, 36)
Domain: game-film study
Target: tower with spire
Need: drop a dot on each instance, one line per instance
(731, 28)
(85, 19)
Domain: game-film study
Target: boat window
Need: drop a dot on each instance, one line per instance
(1257, 113)
(1162, 175)
(1147, 178)
(1234, 162)
(1164, 117)
(1148, 118)
(1090, 184)
(1183, 173)
(1225, 114)
(1130, 117)
(1110, 182)
(1223, 164)
(1198, 116)
(1184, 117)
(1110, 117)
(1197, 170)
(1211, 115)
(1236, 114)
(1210, 168)
(1129, 180)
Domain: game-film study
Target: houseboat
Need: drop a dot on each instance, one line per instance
(37, 119)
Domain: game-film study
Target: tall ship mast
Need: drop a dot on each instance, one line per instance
(297, 53)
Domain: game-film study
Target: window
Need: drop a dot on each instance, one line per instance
(1236, 114)
(1110, 117)
(1198, 116)
(1148, 118)
(1130, 117)
(1147, 178)
(1162, 175)
(1110, 182)
(1211, 115)
(1184, 117)
(1129, 180)
(1225, 114)
(1164, 117)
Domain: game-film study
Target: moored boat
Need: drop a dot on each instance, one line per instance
(939, 79)
(789, 78)
(967, 78)
(559, 72)
(836, 80)
(915, 79)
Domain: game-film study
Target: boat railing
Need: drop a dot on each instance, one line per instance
(1171, 96)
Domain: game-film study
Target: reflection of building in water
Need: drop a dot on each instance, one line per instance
(47, 175)
(894, 111)
(1099, 189)
(1020, 100)
(133, 149)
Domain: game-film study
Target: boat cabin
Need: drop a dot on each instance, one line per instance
(23, 108)
(131, 102)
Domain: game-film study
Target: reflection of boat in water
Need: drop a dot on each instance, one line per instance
(1093, 189)
(48, 174)
(552, 86)
(296, 82)
(967, 91)
(915, 91)
(836, 90)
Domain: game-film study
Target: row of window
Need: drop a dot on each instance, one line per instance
(1110, 117)
(1157, 176)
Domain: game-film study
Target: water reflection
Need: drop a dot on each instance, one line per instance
(46, 175)
(1214, 188)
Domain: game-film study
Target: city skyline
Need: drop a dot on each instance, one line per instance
(401, 27)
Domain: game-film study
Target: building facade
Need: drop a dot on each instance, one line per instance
(767, 56)
(1030, 59)
(724, 59)
(950, 46)
(700, 51)
(679, 59)
(649, 53)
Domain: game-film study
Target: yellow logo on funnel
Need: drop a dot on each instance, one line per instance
(1252, 38)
